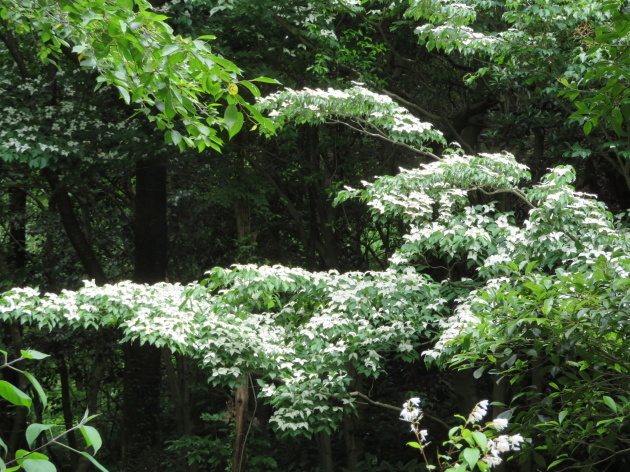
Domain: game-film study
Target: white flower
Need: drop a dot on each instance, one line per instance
(516, 442)
(411, 410)
(499, 424)
(423, 435)
(481, 409)
(500, 444)
(492, 460)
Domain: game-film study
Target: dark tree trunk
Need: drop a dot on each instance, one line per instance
(325, 452)
(16, 259)
(151, 239)
(66, 406)
(142, 373)
(71, 225)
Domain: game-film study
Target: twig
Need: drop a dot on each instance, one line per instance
(396, 408)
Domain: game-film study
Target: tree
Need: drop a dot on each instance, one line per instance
(311, 340)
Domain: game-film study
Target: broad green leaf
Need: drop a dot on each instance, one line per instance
(172, 136)
(231, 115)
(33, 455)
(3, 445)
(125, 94)
(92, 438)
(240, 119)
(483, 467)
(471, 454)
(414, 445)
(14, 395)
(479, 372)
(251, 87)
(38, 465)
(610, 403)
(32, 354)
(481, 439)
(170, 49)
(34, 430)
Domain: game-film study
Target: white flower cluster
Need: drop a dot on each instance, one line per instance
(501, 444)
(411, 412)
(368, 111)
(480, 410)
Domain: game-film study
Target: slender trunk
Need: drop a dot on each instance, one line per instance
(94, 386)
(16, 438)
(241, 407)
(71, 225)
(325, 452)
(16, 259)
(151, 238)
(66, 406)
(142, 372)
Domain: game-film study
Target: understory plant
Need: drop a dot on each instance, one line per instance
(34, 460)
(470, 446)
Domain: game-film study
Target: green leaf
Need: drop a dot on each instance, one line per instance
(21, 455)
(414, 445)
(14, 395)
(125, 94)
(555, 463)
(92, 438)
(483, 467)
(251, 87)
(471, 454)
(562, 415)
(31, 354)
(267, 80)
(231, 115)
(3, 445)
(34, 430)
(38, 388)
(616, 119)
(38, 465)
(94, 461)
(240, 119)
(169, 49)
(610, 403)
(173, 136)
(588, 127)
(481, 439)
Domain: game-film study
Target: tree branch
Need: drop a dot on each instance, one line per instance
(396, 408)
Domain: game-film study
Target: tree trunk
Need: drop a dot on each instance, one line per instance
(241, 403)
(75, 234)
(325, 452)
(142, 372)
(16, 259)
(66, 405)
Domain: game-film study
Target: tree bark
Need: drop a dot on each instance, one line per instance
(142, 372)
(16, 259)
(241, 410)
(71, 225)
(325, 452)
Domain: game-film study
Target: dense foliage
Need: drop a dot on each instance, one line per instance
(460, 272)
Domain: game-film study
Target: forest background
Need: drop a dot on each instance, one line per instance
(491, 264)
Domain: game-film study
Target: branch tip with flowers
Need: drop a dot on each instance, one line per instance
(478, 447)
